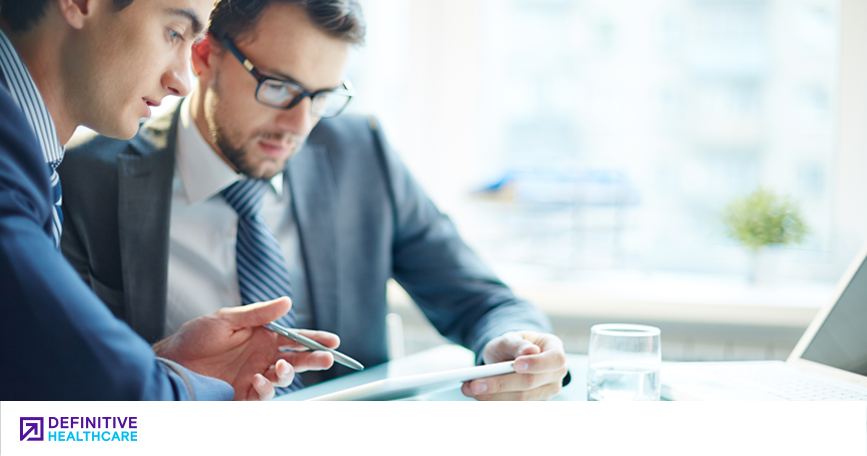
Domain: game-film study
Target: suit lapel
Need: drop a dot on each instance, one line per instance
(145, 173)
(311, 181)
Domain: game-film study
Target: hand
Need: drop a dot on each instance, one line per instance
(231, 345)
(303, 361)
(540, 365)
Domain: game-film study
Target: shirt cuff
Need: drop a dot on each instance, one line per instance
(200, 387)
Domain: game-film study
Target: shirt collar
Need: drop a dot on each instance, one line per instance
(26, 94)
(203, 172)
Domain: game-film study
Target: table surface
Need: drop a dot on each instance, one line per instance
(445, 357)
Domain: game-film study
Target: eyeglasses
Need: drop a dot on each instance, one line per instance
(281, 94)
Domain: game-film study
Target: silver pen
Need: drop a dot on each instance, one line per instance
(313, 345)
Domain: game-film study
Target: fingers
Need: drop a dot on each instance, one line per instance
(325, 338)
(509, 383)
(533, 352)
(508, 347)
(550, 359)
(307, 360)
(543, 393)
(263, 388)
(518, 346)
(285, 373)
(256, 314)
(281, 374)
(547, 361)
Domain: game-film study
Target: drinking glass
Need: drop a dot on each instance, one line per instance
(624, 363)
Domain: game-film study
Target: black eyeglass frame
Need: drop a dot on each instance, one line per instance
(304, 93)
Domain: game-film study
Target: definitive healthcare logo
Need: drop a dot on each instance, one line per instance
(34, 427)
(80, 429)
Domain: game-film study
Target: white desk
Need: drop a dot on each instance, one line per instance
(441, 358)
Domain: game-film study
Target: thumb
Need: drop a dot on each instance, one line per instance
(257, 314)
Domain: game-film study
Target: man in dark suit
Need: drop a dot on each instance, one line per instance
(345, 211)
(61, 65)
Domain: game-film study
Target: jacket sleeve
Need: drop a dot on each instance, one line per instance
(461, 296)
(57, 340)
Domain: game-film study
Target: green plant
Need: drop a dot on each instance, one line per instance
(763, 218)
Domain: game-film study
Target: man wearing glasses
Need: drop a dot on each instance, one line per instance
(241, 222)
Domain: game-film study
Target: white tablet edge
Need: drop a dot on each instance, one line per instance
(412, 382)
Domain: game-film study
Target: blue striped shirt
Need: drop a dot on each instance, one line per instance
(25, 93)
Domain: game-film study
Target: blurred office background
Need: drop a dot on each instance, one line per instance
(586, 150)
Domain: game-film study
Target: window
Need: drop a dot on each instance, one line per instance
(574, 136)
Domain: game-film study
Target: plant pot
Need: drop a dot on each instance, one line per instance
(766, 265)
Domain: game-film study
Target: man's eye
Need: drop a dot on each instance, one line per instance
(275, 86)
(174, 36)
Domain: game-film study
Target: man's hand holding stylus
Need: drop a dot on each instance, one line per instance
(231, 345)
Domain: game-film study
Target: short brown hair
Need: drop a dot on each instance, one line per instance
(339, 18)
(20, 15)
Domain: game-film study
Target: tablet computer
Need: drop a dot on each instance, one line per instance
(415, 385)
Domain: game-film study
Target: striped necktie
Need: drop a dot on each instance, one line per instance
(57, 197)
(262, 273)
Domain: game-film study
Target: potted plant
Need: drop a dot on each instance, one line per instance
(764, 222)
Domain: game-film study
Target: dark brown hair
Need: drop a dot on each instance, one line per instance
(20, 15)
(339, 18)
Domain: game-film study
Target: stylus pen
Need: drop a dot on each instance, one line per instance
(313, 345)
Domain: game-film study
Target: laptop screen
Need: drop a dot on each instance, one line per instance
(841, 341)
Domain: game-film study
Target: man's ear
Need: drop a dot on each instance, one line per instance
(77, 12)
(202, 56)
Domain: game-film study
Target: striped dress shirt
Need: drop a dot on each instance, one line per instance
(25, 93)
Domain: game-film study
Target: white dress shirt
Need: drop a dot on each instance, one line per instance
(202, 270)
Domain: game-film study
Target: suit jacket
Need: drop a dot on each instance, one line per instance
(57, 341)
(361, 218)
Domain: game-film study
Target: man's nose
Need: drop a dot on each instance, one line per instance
(297, 120)
(176, 80)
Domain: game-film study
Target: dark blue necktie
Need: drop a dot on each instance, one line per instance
(262, 273)
(57, 197)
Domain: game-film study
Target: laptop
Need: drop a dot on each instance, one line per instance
(828, 363)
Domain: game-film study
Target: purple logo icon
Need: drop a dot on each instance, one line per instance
(32, 428)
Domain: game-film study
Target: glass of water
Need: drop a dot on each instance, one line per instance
(624, 363)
